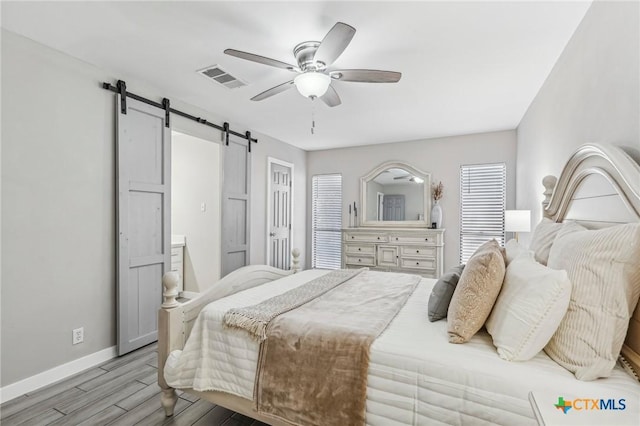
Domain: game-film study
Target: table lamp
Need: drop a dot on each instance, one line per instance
(517, 221)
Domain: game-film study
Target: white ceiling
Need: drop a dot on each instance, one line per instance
(467, 67)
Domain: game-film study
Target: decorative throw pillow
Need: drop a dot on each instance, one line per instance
(542, 239)
(476, 292)
(514, 249)
(604, 267)
(531, 304)
(441, 294)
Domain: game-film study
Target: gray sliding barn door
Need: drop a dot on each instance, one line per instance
(236, 188)
(144, 208)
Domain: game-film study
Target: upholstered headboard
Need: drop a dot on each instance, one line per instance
(599, 187)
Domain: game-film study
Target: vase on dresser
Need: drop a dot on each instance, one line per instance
(436, 214)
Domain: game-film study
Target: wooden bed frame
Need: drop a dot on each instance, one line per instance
(598, 187)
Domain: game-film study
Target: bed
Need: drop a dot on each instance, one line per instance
(415, 376)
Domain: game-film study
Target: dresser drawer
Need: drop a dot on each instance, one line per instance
(413, 239)
(360, 249)
(418, 251)
(177, 257)
(418, 263)
(360, 260)
(177, 264)
(365, 238)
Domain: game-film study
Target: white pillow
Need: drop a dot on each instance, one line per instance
(531, 304)
(514, 249)
(545, 234)
(604, 267)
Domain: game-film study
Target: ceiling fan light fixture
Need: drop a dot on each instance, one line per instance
(312, 84)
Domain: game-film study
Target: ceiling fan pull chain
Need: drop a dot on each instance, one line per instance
(313, 118)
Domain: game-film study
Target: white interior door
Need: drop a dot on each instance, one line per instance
(393, 207)
(279, 223)
(144, 208)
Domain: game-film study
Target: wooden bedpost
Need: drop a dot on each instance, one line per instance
(549, 183)
(166, 321)
(295, 262)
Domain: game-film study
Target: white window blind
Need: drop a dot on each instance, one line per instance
(482, 203)
(326, 221)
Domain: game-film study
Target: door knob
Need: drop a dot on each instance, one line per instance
(272, 234)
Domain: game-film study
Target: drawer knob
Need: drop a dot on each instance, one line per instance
(396, 238)
(417, 263)
(417, 251)
(378, 237)
(359, 260)
(352, 237)
(359, 249)
(426, 239)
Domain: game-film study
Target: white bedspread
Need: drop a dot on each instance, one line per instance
(416, 376)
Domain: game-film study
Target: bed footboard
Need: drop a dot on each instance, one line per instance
(175, 319)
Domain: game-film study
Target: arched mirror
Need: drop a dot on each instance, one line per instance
(395, 194)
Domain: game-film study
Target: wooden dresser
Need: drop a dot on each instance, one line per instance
(412, 250)
(177, 258)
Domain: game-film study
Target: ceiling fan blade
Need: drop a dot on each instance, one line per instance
(366, 76)
(261, 59)
(401, 177)
(331, 97)
(334, 43)
(274, 91)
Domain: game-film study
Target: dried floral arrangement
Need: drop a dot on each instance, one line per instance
(438, 191)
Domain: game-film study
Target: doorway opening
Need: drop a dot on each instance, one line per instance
(196, 182)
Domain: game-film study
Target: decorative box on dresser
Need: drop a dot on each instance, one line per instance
(412, 250)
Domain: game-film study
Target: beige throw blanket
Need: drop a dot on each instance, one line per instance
(254, 319)
(313, 365)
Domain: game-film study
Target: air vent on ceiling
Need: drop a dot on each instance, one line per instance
(222, 77)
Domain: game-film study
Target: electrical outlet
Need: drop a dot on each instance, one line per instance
(78, 335)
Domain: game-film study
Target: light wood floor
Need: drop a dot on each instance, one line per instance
(120, 392)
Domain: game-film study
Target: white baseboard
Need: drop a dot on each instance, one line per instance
(45, 378)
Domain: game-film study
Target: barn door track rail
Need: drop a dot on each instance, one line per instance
(121, 88)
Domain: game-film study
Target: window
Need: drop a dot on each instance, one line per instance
(482, 202)
(326, 221)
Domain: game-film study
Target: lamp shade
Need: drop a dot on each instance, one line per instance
(517, 220)
(312, 84)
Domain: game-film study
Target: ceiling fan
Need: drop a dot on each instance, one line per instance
(313, 58)
(410, 178)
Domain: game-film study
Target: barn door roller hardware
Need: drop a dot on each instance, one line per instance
(121, 88)
(225, 126)
(248, 136)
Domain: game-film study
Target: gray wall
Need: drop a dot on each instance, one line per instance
(58, 208)
(442, 157)
(591, 95)
(281, 151)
